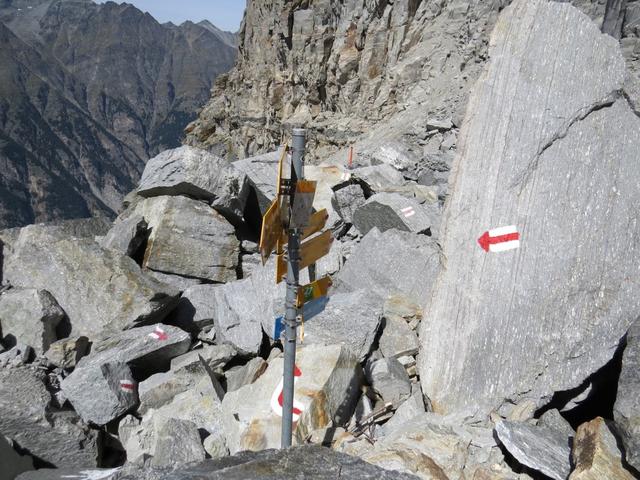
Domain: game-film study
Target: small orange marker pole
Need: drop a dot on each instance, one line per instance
(350, 161)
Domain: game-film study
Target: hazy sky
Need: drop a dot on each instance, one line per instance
(224, 14)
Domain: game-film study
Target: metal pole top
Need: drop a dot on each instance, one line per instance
(299, 132)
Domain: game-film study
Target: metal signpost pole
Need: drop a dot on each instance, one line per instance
(291, 313)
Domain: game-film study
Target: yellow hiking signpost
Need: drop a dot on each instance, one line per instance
(314, 290)
(288, 221)
(310, 252)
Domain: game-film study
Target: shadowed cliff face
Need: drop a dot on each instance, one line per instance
(87, 94)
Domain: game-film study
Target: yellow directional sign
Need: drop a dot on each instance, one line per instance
(316, 223)
(271, 230)
(302, 203)
(314, 290)
(310, 252)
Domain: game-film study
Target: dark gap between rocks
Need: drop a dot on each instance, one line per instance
(252, 219)
(599, 401)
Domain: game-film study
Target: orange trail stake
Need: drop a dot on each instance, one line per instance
(350, 158)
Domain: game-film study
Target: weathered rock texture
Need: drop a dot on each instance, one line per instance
(626, 410)
(596, 454)
(549, 145)
(26, 416)
(97, 288)
(89, 92)
(291, 464)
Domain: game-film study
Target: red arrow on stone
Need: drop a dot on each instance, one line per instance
(500, 239)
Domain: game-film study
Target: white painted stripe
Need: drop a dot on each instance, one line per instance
(409, 214)
(406, 209)
(504, 246)
(496, 232)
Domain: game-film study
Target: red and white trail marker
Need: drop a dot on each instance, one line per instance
(500, 239)
(127, 386)
(408, 212)
(277, 398)
(159, 334)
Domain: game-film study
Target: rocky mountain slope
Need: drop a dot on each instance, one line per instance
(88, 93)
(492, 336)
(389, 78)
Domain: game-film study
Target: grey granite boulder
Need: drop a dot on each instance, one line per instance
(178, 443)
(192, 240)
(391, 263)
(389, 380)
(240, 376)
(291, 464)
(195, 173)
(545, 450)
(378, 178)
(347, 200)
(626, 411)
(145, 440)
(397, 339)
(351, 319)
(29, 316)
(57, 437)
(549, 147)
(393, 210)
(103, 386)
(262, 171)
(98, 289)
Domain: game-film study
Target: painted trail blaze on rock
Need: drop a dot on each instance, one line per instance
(277, 399)
(500, 239)
(549, 145)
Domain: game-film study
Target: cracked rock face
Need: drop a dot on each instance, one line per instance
(550, 147)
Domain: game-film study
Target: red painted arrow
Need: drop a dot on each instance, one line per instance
(486, 240)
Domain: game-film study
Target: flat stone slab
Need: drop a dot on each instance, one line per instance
(385, 211)
(539, 448)
(549, 148)
(391, 263)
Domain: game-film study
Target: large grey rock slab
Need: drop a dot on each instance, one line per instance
(549, 147)
(27, 418)
(66, 353)
(596, 454)
(178, 444)
(29, 316)
(145, 440)
(409, 409)
(430, 446)
(326, 389)
(187, 171)
(378, 178)
(545, 450)
(389, 380)
(392, 210)
(391, 263)
(161, 388)
(192, 240)
(398, 338)
(215, 357)
(262, 171)
(241, 308)
(347, 200)
(103, 387)
(98, 289)
(351, 319)
(290, 464)
(626, 410)
(240, 376)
